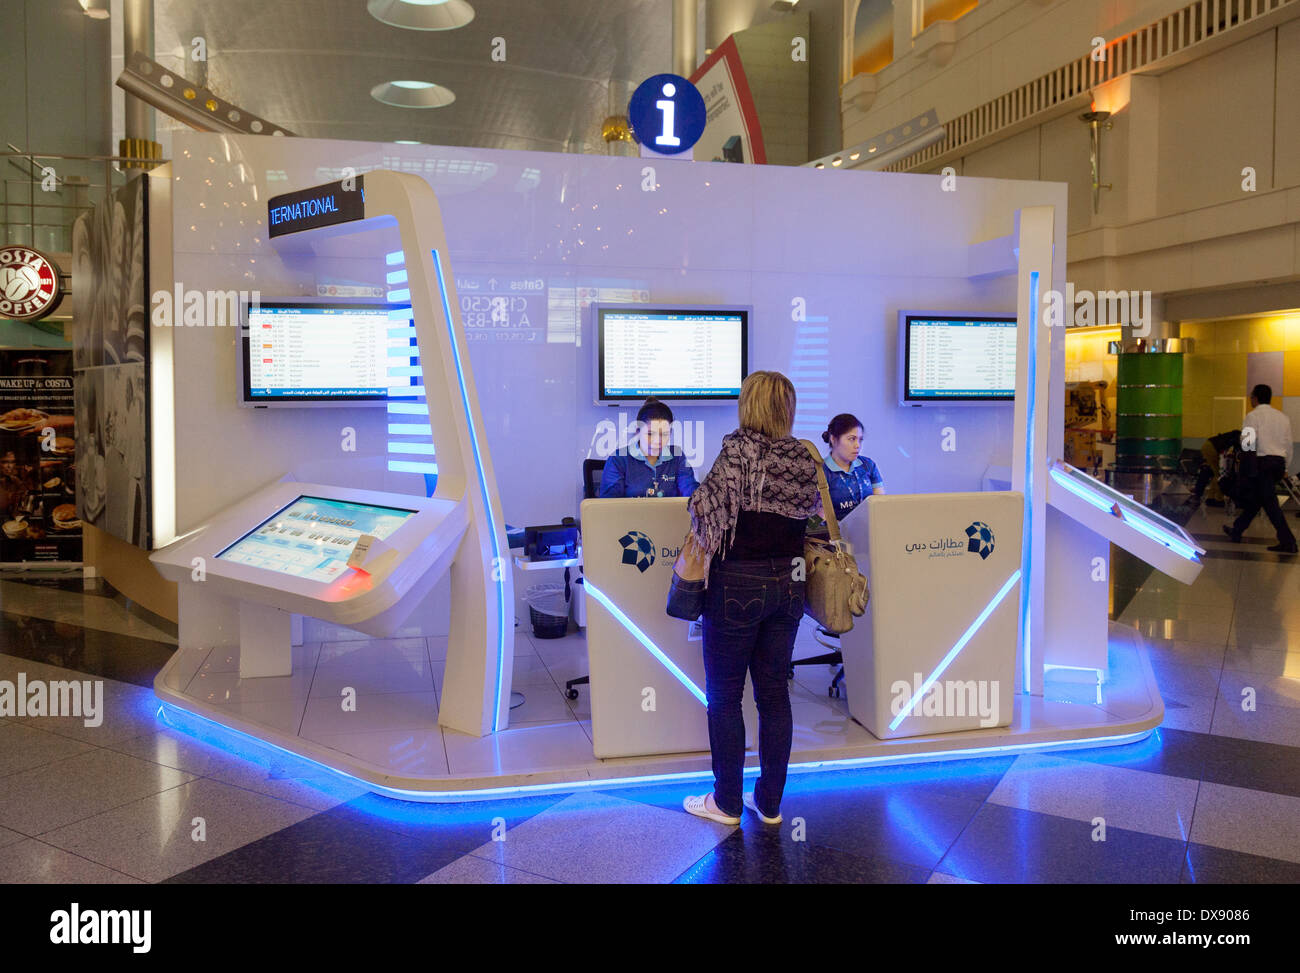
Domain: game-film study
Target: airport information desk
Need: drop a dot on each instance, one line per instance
(930, 670)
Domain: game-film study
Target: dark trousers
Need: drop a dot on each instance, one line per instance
(751, 614)
(1260, 493)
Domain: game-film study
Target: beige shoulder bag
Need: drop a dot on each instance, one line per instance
(837, 590)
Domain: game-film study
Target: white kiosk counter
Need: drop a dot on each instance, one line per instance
(647, 668)
(936, 650)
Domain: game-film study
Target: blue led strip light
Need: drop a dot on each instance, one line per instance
(1164, 537)
(1027, 550)
(218, 734)
(952, 653)
(489, 513)
(645, 640)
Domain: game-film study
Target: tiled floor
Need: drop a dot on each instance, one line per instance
(1213, 796)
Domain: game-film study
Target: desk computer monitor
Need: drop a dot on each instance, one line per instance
(956, 359)
(676, 353)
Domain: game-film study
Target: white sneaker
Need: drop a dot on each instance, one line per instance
(699, 806)
(753, 806)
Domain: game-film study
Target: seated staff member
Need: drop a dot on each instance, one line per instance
(648, 466)
(850, 477)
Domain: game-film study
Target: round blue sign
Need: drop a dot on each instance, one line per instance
(667, 113)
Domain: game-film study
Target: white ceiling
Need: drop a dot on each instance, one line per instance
(309, 65)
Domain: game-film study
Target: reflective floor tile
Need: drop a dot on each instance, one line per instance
(1178, 680)
(1271, 690)
(40, 800)
(158, 836)
(598, 838)
(1191, 713)
(227, 687)
(8, 837)
(1248, 821)
(1218, 866)
(543, 703)
(529, 670)
(472, 870)
(373, 651)
(519, 749)
(126, 711)
(23, 747)
(759, 854)
(1004, 844)
(390, 677)
(32, 862)
(380, 711)
(1131, 799)
(940, 878)
(414, 753)
(1178, 753)
(1187, 653)
(1271, 662)
(1270, 724)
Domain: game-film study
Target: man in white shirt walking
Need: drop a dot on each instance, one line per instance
(1266, 448)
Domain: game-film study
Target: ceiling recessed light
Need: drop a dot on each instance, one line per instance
(407, 142)
(412, 94)
(422, 14)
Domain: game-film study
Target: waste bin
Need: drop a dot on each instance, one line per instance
(548, 610)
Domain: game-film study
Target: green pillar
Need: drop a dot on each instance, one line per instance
(1149, 407)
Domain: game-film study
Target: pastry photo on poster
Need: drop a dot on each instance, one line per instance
(38, 472)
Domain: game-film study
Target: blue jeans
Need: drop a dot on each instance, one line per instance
(751, 614)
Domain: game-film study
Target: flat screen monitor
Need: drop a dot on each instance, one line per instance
(956, 359)
(300, 353)
(687, 354)
(313, 537)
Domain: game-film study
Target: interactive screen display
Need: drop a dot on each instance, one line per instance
(313, 537)
(321, 352)
(671, 353)
(956, 358)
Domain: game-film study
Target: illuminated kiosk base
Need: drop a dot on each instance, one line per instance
(405, 762)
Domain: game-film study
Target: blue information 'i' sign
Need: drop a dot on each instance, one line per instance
(667, 113)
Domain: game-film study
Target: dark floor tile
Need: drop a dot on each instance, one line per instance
(108, 655)
(1253, 764)
(1004, 844)
(368, 840)
(769, 856)
(1175, 753)
(1207, 865)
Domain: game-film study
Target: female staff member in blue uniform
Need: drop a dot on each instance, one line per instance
(648, 466)
(851, 478)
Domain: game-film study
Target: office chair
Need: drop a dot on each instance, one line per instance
(592, 471)
(833, 658)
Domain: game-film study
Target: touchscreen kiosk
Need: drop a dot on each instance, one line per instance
(1124, 522)
(358, 558)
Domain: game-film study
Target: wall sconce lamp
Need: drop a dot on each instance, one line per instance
(1097, 120)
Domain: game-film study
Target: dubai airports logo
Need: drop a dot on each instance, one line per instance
(979, 539)
(638, 549)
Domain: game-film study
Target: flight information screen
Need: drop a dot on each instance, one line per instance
(671, 353)
(319, 352)
(313, 537)
(971, 359)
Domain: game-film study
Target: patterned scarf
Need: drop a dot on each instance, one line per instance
(752, 472)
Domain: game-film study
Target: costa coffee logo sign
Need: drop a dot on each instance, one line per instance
(29, 284)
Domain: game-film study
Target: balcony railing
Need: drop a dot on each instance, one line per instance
(42, 193)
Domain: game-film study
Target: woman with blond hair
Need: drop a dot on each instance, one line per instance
(749, 516)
